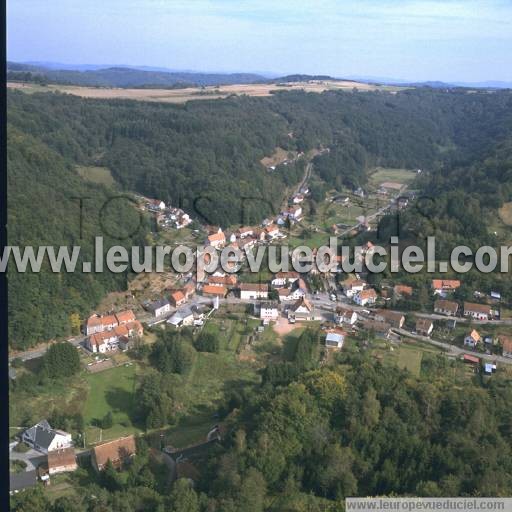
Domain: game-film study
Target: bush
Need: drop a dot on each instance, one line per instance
(21, 448)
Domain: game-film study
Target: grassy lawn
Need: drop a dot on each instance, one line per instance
(111, 390)
(101, 175)
(410, 358)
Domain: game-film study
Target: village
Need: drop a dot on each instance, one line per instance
(345, 309)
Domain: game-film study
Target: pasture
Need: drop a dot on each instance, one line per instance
(101, 175)
(200, 93)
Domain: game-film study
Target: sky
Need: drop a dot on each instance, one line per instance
(448, 40)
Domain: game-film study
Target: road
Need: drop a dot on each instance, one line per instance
(39, 352)
(452, 349)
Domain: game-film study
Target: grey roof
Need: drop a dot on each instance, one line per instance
(157, 304)
(41, 434)
(23, 480)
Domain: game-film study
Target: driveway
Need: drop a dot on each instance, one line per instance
(31, 458)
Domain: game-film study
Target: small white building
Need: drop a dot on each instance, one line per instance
(352, 287)
(269, 311)
(345, 316)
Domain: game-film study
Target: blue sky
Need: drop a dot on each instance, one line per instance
(457, 40)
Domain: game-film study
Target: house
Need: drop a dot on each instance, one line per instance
(366, 297)
(335, 340)
(217, 240)
(178, 298)
(271, 231)
(382, 329)
(295, 212)
(345, 316)
(182, 317)
(154, 205)
(477, 311)
(43, 438)
(472, 339)
(489, 368)
(214, 290)
(269, 311)
(20, 481)
(396, 320)
(284, 279)
(62, 461)
(102, 342)
(253, 291)
(125, 317)
(97, 323)
(285, 294)
(401, 290)
(353, 286)
(159, 307)
(444, 286)
(118, 452)
(301, 310)
(506, 343)
(424, 326)
(446, 307)
(298, 198)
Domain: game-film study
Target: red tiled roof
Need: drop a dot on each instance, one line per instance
(116, 451)
(210, 289)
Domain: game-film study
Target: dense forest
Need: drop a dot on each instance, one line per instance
(309, 435)
(205, 157)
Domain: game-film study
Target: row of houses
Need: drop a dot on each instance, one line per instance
(469, 310)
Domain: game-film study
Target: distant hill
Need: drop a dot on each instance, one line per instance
(120, 76)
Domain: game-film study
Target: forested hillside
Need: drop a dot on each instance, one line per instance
(311, 434)
(205, 157)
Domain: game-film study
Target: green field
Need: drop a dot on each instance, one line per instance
(111, 390)
(410, 359)
(383, 174)
(101, 175)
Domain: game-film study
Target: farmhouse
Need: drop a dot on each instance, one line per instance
(118, 452)
(506, 343)
(159, 307)
(446, 307)
(393, 318)
(62, 460)
(301, 310)
(472, 339)
(253, 291)
(444, 286)
(269, 311)
(345, 316)
(366, 297)
(424, 326)
(43, 438)
(477, 311)
(335, 340)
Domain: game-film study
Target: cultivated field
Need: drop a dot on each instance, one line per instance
(199, 93)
